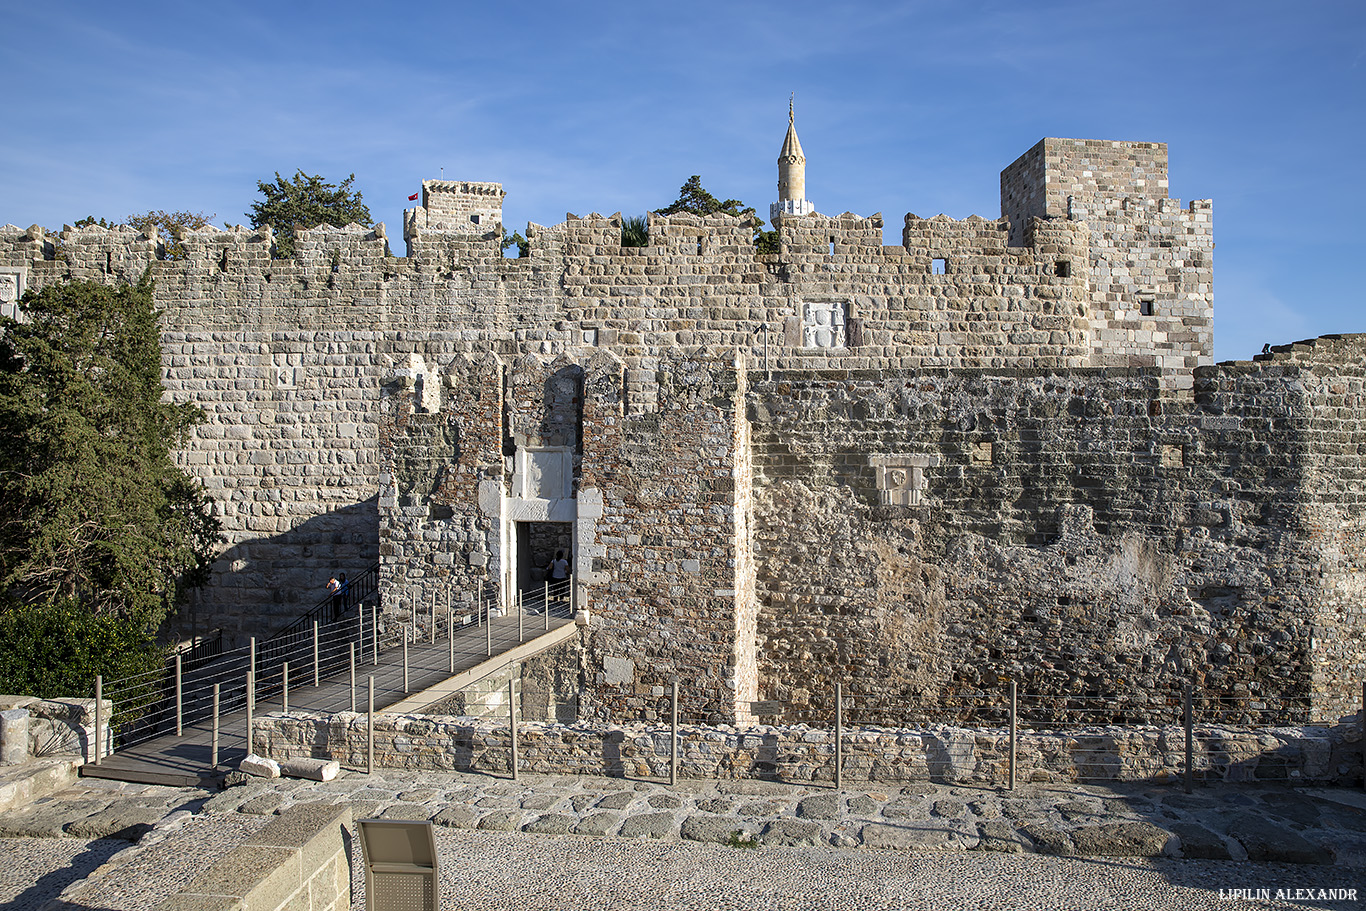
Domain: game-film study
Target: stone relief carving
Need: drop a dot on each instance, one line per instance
(823, 324)
(901, 478)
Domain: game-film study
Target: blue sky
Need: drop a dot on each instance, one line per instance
(579, 107)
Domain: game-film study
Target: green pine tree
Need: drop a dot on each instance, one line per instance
(99, 530)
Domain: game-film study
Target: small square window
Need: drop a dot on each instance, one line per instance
(474, 219)
(1062, 268)
(939, 266)
(1145, 306)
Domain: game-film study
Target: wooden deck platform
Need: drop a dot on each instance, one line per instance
(185, 760)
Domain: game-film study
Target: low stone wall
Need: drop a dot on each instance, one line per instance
(301, 861)
(799, 753)
(35, 728)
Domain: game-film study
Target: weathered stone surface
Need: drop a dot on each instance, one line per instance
(1120, 839)
(262, 804)
(501, 821)
(714, 829)
(121, 820)
(1048, 839)
(912, 837)
(792, 832)
(1001, 835)
(551, 824)
(597, 824)
(311, 769)
(1199, 843)
(259, 766)
(456, 817)
(1265, 840)
(648, 825)
(819, 806)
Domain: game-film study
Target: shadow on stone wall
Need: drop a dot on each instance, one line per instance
(261, 584)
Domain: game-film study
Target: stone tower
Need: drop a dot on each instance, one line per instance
(791, 176)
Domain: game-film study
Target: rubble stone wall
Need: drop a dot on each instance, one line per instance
(800, 753)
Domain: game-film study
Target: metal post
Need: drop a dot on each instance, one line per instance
(370, 730)
(488, 624)
(284, 686)
(213, 750)
(99, 717)
(512, 722)
(451, 643)
(317, 664)
(521, 618)
(573, 597)
(479, 604)
(179, 700)
(252, 666)
(405, 662)
(374, 633)
(546, 606)
(839, 736)
(431, 632)
(1190, 738)
(1014, 730)
(251, 706)
(1363, 734)
(673, 735)
(351, 662)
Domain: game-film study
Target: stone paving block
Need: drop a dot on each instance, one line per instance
(456, 817)
(714, 829)
(551, 824)
(404, 810)
(664, 802)
(648, 825)
(1199, 843)
(819, 806)
(918, 837)
(618, 801)
(262, 804)
(792, 832)
(1265, 840)
(540, 801)
(1048, 839)
(1001, 835)
(501, 821)
(1120, 839)
(597, 824)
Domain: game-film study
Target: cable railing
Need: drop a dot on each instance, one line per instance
(194, 688)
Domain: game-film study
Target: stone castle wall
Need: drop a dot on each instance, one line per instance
(1083, 532)
(997, 449)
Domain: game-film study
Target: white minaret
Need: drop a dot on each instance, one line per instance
(791, 175)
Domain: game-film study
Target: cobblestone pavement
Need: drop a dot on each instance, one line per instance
(587, 842)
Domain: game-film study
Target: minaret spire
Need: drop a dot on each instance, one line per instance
(791, 172)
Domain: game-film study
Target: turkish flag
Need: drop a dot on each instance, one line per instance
(414, 196)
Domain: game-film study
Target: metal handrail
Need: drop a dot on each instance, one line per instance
(358, 591)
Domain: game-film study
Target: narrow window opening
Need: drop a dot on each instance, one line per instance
(832, 246)
(699, 246)
(223, 262)
(108, 263)
(939, 266)
(1145, 306)
(1062, 268)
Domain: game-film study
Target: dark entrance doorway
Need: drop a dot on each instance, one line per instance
(537, 543)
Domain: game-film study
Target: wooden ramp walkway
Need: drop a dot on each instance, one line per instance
(185, 760)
